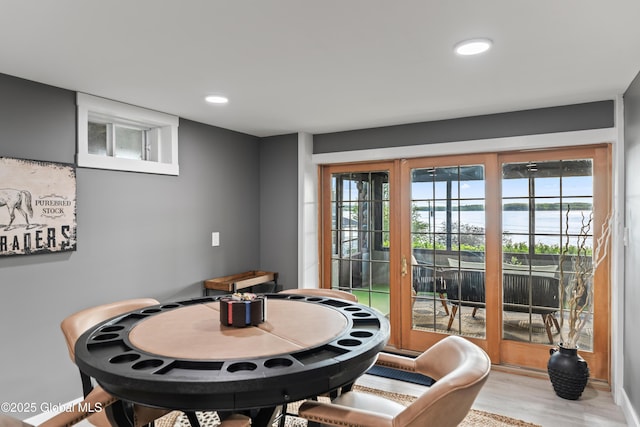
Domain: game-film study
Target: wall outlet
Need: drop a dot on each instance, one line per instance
(215, 238)
(625, 236)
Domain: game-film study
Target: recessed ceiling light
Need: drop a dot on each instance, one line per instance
(216, 99)
(473, 47)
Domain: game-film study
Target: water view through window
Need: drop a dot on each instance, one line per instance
(447, 229)
(488, 246)
(547, 237)
(546, 218)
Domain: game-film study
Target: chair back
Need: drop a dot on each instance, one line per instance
(466, 287)
(76, 324)
(322, 292)
(540, 294)
(460, 369)
(424, 278)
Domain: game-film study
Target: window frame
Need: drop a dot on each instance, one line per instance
(162, 136)
(506, 352)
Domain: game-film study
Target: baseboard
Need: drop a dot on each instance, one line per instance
(44, 416)
(536, 373)
(627, 409)
(401, 352)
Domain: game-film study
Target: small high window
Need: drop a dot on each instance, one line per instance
(113, 135)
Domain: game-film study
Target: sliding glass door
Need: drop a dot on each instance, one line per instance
(357, 221)
(444, 237)
(482, 246)
(554, 206)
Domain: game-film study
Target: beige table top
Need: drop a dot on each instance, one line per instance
(195, 332)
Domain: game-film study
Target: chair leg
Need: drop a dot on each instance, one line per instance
(443, 301)
(475, 310)
(193, 419)
(547, 319)
(121, 414)
(86, 383)
(454, 310)
(555, 322)
(346, 388)
(283, 416)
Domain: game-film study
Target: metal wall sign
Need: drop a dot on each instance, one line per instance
(37, 207)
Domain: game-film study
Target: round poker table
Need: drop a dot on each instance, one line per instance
(180, 356)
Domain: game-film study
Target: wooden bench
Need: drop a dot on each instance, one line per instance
(537, 294)
(235, 282)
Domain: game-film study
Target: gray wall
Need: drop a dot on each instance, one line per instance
(150, 235)
(632, 253)
(279, 207)
(138, 235)
(593, 115)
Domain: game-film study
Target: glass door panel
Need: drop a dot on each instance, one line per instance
(547, 231)
(448, 245)
(473, 245)
(361, 236)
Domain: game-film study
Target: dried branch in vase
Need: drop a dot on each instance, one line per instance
(577, 296)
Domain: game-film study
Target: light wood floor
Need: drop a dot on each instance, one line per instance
(522, 397)
(527, 398)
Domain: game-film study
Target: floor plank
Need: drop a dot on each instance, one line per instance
(527, 398)
(522, 397)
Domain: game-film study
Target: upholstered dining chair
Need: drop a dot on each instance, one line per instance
(90, 408)
(94, 403)
(318, 292)
(76, 324)
(460, 369)
(322, 292)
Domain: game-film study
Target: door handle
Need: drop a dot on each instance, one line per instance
(404, 266)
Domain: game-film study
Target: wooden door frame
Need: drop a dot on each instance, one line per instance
(394, 230)
(599, 359)
(501, 351)
(416, 340)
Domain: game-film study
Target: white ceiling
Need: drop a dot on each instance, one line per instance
(321, 66)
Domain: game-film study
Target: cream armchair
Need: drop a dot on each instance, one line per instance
(460, 369)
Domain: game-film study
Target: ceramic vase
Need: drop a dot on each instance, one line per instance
(568, 372)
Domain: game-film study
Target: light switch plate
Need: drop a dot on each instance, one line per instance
(215, 238)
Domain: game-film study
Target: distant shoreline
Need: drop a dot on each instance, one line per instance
(575, 206)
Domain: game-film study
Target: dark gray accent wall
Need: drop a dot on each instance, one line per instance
(279, 207)
(632, 251)
(139, 235)
(593, 115)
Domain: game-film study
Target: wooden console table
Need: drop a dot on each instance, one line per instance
(235, 282)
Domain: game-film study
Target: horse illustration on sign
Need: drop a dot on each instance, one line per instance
(16, 200)
(40, 198)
